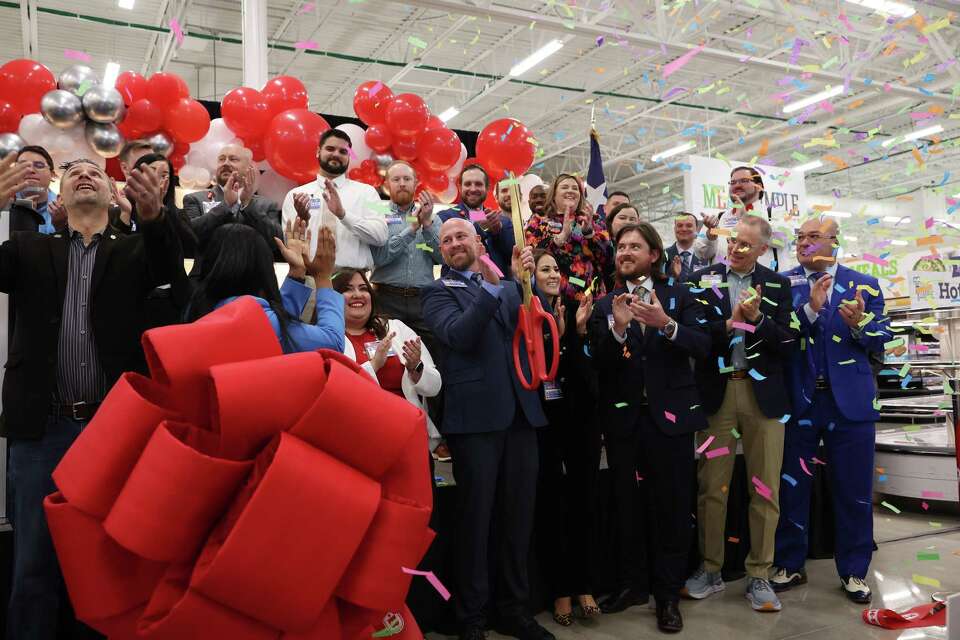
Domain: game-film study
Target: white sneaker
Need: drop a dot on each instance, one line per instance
(856, 589)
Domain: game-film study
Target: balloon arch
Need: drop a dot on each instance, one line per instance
(74, 116)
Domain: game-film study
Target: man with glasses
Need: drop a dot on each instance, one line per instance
(746, 198)
(34, 207)
(744, 395)
(840, 312)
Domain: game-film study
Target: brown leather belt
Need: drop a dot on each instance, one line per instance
(739, 374)
(80, 411)
(403, 292)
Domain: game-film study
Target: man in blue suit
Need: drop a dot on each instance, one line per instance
(494, 228)
(682, 261)
(488, 421)
(840, 312)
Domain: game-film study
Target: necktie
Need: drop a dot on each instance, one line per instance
(478, 279)
(641, 293)
(685, 264)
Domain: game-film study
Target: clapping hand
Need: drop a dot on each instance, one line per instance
(296, 247)
(650, 313)
(622, 313)
(749, 305)
(121, 200)
(411, 354)
(560, 315)
(380, 355)
(425, 212)
(852, 314)
(819, 292)
(584, 311)
(145, 190)
(301, 204)
(331, 197)
(676, 266)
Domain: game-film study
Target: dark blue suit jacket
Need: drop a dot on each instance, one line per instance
(499, 246)
(650, 361)
(772, 343)
(480, 385)
(695, 263)
(853, 384)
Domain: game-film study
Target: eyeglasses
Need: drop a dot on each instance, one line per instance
(38, 165)
(744, 181)
(812, 237)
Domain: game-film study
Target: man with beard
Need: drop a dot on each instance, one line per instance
(351, 209)
(495, 228)
(489, 421)
(404, 265)
(537, 199)
(503, 197)
(643, 335)
(746, 198)
(233, 200)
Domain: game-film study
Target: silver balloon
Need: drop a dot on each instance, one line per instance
(61, 108)
(10, 143)
(102, 105)
(105, 139)
(77, 76)
(383, 160)
(161, 144)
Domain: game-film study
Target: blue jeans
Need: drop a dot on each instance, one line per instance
(35, 595)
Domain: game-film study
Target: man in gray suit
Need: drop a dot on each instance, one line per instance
(233, 200)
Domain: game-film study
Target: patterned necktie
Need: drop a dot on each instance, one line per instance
(478, 279)
(685, 264)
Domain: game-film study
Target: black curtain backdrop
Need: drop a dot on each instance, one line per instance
(468, 138)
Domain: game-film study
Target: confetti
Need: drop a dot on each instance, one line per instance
(73, 54)
(306, 8)
(485, 259)
(416, 42)
(890, 506)
(669, 416)
(431, 578)
(706, 443)
(577, 281)
(924, 580)
(928, 555)
(306, 44)
(620, 405)
(424, 247)
(756, 375)
(803, 465)
(749, 328)
(177, 31)
(714, 453)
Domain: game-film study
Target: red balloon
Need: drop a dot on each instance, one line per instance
(370, 101)
(404, 148)
(439, 148)
(284, 93)
(370, 166)
(291, 143)
(505, 147)
(163, 89)
(9, 117)
(436, 182)
(378, 137)
(187, 120)
(180, 148)
(256, 147)
(143, 115)
(491, 201)
(178, 161)
(246, 112)
(406, 115)
(132, 86)
(355, 174)
(433, 122)
(24, 83)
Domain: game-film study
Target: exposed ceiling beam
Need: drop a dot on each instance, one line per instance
(431, 47)
(151, 49)
(28, 29)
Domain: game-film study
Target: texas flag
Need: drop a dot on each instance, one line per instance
(596, 182)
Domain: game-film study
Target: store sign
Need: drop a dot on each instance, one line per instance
(934, 289)
(705, 187)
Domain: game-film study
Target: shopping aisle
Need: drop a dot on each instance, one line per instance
(816, 610)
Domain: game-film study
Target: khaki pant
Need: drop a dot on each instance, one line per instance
(763, 450)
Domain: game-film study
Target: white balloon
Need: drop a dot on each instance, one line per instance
(358, 145)
(219, 131)
(448, 196)
(528, 182)
(454, 171)
(272, 186)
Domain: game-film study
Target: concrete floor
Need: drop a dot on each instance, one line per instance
(816, 611)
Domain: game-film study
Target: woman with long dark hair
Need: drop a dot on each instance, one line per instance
(569, 449)
(238, 262)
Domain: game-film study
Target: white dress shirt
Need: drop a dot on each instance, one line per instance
(363, 223)
(714, 250)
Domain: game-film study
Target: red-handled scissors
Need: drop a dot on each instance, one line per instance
(532, 316)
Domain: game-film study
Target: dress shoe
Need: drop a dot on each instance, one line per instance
(472, 633)
(668, 617)
(617, 602)
(523, 628)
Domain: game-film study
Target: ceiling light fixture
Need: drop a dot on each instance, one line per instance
(899, 243)
(110, 75)
(919, 133)
(826, 94)
(838, 214)
(809, 166)
(536, 58)
(125, 4)
(897, 219)
(851, 238)
(680, 148)
(887, 7)
(449, 114)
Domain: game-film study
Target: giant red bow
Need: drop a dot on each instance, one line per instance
(241, 493)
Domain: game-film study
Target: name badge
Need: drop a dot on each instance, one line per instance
(207, 205)
(454, 283)
(552, 391)
(316, 203)
(610, 321)
(394, 219)
(371, 349)
(797, 280)
(709, 280)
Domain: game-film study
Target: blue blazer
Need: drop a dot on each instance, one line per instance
(853, 384)
(480, 385)
(695, 263)
(329, 331)
(499, 246)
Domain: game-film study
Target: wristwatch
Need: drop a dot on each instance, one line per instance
(670, 328)
(419, 367)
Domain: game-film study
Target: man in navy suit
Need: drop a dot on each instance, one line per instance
(494, 228)
(488, 421)
(840, 312)
(643, 335)
(744, 393)
(682, 261)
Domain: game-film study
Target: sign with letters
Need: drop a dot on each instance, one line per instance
(705, 187)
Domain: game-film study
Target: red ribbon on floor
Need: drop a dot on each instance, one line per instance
(924, 615)
(241, 493)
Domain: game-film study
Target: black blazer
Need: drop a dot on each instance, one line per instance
(33, 269)
(773, 342)
(660, 365)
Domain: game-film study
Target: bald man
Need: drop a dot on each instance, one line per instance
(489, 421)
(233, 199)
